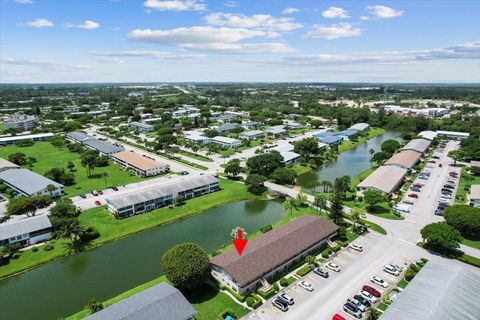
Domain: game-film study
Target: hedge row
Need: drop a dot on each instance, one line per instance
(239, 297)
(303, 271)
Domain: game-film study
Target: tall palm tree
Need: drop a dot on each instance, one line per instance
(301, 199)
(328, 186)
(105, 176)
(290, 204)
(51, 188)
(355, 217)
(371, 151)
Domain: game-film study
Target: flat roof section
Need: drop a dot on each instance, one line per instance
(385, 178)
(405, 159)
(137, 160)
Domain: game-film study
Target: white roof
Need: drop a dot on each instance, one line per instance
(430, 135)
(27, 181)
(27, 136)
(284, 147)
(360, 126)
(225, 139)
(252, 133)
(15, 227)
(289, 155)
(453, 133)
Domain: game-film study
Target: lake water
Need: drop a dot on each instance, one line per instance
(64, 286)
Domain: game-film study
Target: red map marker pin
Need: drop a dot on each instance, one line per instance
(240, 243)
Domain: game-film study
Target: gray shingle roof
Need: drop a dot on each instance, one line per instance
(161, 301)
(170, 187)
(419, 145)
(141, 125)
(79, 136)
(227, 127)
(27, 181)
(15, 227)
(103, 146)
(438, 292)
(274, 248)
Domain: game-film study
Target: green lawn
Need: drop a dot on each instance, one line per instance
(402, 284)
(302, 168)
(349, 144)
(382, 306)
(194, 156)
(49, 157)
(466, 180)
(472, 242)
(111, 228)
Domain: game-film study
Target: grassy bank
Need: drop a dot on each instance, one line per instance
(111, 229)
(349, 144)
(194, 156)
(47, 157)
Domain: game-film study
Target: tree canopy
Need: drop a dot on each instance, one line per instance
(307, 147)
(373, 198)
(390, 146)
(255, 183)
(465, 219)
(441, 236)
(264, 164)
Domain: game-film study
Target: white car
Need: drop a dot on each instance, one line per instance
(306, 285)
(391, 270)
(333, 266)
(379, 282)
(356, 247)
(358, 304)
(368, 296)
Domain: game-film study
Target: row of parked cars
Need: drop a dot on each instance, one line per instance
(447, 193)
(368, 295)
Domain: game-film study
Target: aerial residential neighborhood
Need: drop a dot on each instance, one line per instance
(227, 160)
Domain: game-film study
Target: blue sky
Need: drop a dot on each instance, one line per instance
(193, 40)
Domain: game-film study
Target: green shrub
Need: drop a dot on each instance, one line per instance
(284, 282)
(48, 247)
(414, 267)
(239, 297)
(90, 234)
(303, 271)
(227, 312)
(250, 301)
(409, 275)
(266, 228)
(34, 249)
(425, 260)
(266, 295)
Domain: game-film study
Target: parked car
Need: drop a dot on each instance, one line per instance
(438, 212)
(280, 305)
(333, 266)
(321, 272)
(435, 157)
(352, 309)
(184, 173)
(414, 189)
(336, 316)
(357, 304)
(114, 188)
(391, 270)
(449, 186)
(379, 282)
(356, 247)
(83, 196)
(305, 285)
(372, 290)
(95, 193)
(98, 203)
(396, 266)
(413, 195)
(423, 177)
(440, 165)
(363, 300)
(418, 185)
(407, 201)
(100, 192)
(286, 298)
(432, 161)
(368, 296)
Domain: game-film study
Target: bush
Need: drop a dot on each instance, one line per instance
(275, 286)
(409, 275)
(238, 296)
(303, 271)
(266, 228)
(268, 294)
(284, 282)
(48, 247)
(90, 234)
(415, 268)
(227, 312)
(250, 301)
(34, 249)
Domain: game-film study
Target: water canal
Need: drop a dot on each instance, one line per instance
(64, 286)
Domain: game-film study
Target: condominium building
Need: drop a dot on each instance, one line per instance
(20, 121)
(25, 231)
(139, 164)
(227, 142)
(29, 183)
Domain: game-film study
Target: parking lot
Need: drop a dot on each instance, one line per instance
(330, 294)
(422, 211)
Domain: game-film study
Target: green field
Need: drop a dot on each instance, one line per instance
(111, 229)
(194, 156)
(348, 144)
(49, 157)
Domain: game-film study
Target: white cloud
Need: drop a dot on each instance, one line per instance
(340, 30)
(46, 64)
(290, 10)
(257, 21)
(111, 60)
(40, 23)
(24, 1)
(384, 12)
(132, 53)
(364, 18)
(207, 38)
(335, 13)
(89, 24)
(176, 5)
(230, 4)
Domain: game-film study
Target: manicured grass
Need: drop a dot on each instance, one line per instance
(301, 169)
(111, 229)
(349, 144)
(472, 242)
(375, 227)
(402, 284)
(382, 306)
(194, 156)
(49, 157)
(466, 181)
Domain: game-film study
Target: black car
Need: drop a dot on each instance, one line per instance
(362, 300)
(352, 309)
(321, 272)
(280, 304)
(114, 188)
(184, 173)
(83, 196)
(449, 186)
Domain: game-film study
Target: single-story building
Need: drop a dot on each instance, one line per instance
(11, 140)
(322, 145)
(282, 147)
(293, 124)
(25, 231)
(440, 291)
(331, 140)
(474, 195)
(275, 131)
(227, 142)
(197, 137)
(29, 183)
(360, 126)
(346, 134)
(475, 164)
(140, 126)
(250, 125)
(79, 137)
(271, 253)
(6, 165)
(140, 201)
(104, 147)
(385, 179)
(429, 135)
(226, 118)
(252, 135)
(404, 159)
(227, 128)
(452, 134)
(161, 301)
(322, 134)
(289, 157)
(139, 164)
(418, 145)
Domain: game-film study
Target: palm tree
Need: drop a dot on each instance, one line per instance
(301, 199)
(105, 176)
(290, 204)
(72, 229)
(51, 188)
(373, 314)
(355, 217)
(371, 151)
(328, 185)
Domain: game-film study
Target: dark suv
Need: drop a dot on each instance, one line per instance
(280, 304)
(321, 272)
(352, 309)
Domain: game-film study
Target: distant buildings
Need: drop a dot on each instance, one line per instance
(227, 142)
(141, 201)
(346, 134)
(11, 140)
(385, 179)
(105, 148)
(197, 137)
(360, 126)
(252, 135)
(250, 125)
(429, 135)
(140, 126)
(271, 253)
(452, 134)
(29, 183)
(418, 112)
(79, 137)
(227, 128)
(474, 195)
(140, 165)
(21, 122)
(161, 301)
(276, 131)
(25, 231)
